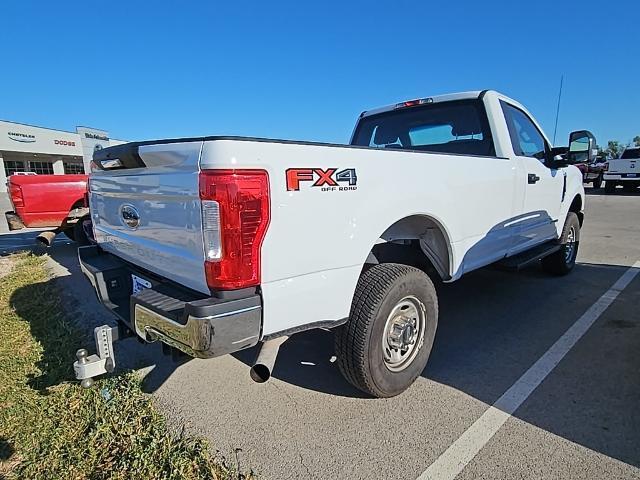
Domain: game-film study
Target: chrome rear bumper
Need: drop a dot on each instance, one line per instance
(202, 337)
(198, 325)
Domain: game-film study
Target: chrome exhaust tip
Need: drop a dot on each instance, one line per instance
(263, 366)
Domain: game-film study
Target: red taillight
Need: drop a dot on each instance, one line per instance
(16, 195)
(235, 210)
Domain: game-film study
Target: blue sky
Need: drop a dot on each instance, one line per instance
(305, 71)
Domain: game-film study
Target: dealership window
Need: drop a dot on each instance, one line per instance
(41, 168)
(13, 166)
(73, 168)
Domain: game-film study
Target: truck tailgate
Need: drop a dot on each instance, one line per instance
(625, 166)
(149, 213)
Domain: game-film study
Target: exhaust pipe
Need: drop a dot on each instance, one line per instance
(46, 238)
(263, 366)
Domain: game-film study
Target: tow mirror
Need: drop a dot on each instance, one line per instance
(558, 157)
(582, 147)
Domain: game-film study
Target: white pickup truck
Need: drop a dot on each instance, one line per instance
(212, 245)
(623, 171)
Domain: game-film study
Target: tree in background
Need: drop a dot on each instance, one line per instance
(614, 149)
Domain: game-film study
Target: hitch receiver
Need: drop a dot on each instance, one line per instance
(88, 366)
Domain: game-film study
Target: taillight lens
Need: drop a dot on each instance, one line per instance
(235, 217)
(16, 195)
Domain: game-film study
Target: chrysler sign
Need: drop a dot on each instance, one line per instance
(22, 137)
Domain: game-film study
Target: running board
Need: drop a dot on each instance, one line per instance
(524, 259)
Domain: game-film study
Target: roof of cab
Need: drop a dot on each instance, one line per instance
(434, 99)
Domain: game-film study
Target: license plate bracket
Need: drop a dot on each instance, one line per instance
(138, 284)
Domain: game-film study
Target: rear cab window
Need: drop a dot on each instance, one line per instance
(631, 153)
(458, 127)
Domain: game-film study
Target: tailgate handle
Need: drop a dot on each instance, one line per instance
(532, 178)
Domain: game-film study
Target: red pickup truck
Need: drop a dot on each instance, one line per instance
(49, 201)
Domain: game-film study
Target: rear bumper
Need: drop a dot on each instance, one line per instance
(622, 177)
(198, 325)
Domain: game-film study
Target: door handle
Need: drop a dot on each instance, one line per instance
(532, 178)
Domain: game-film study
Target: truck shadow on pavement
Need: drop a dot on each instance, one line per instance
(508, 321)
(493, 326)
(307, 360)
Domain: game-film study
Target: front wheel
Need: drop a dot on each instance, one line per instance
(563, 261)
(386, 343)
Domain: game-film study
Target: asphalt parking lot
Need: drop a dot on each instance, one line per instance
(582, 421)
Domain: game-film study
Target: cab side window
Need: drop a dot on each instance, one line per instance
(526, 139)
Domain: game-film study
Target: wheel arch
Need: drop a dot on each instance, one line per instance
(577, 206)
(413, 239)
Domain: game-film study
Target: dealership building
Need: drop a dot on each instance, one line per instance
(25, 148)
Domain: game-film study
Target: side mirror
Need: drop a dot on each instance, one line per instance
(558, 157)
(582, 147)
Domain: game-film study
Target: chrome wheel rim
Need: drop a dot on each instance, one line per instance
(403, 333)
(570, 246)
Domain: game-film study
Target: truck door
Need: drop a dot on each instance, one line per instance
(543, 186)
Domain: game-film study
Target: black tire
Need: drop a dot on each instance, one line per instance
(381, 290)
(597, 183)
(563, 261)
(609, 186)
(80, 236)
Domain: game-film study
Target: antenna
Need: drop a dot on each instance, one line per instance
(555, 129)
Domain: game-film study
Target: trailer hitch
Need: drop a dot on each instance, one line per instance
(86, 367)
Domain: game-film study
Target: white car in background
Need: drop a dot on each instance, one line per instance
(624, 171)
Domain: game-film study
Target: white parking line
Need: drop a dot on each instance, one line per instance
(448, 465)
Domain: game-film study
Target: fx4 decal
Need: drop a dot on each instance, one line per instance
(328, 180)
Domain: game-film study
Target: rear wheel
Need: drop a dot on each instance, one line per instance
(609, 186)
(386, 343)
(597, 183)
(563, 261)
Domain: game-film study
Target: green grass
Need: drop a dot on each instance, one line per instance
(50, 427)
